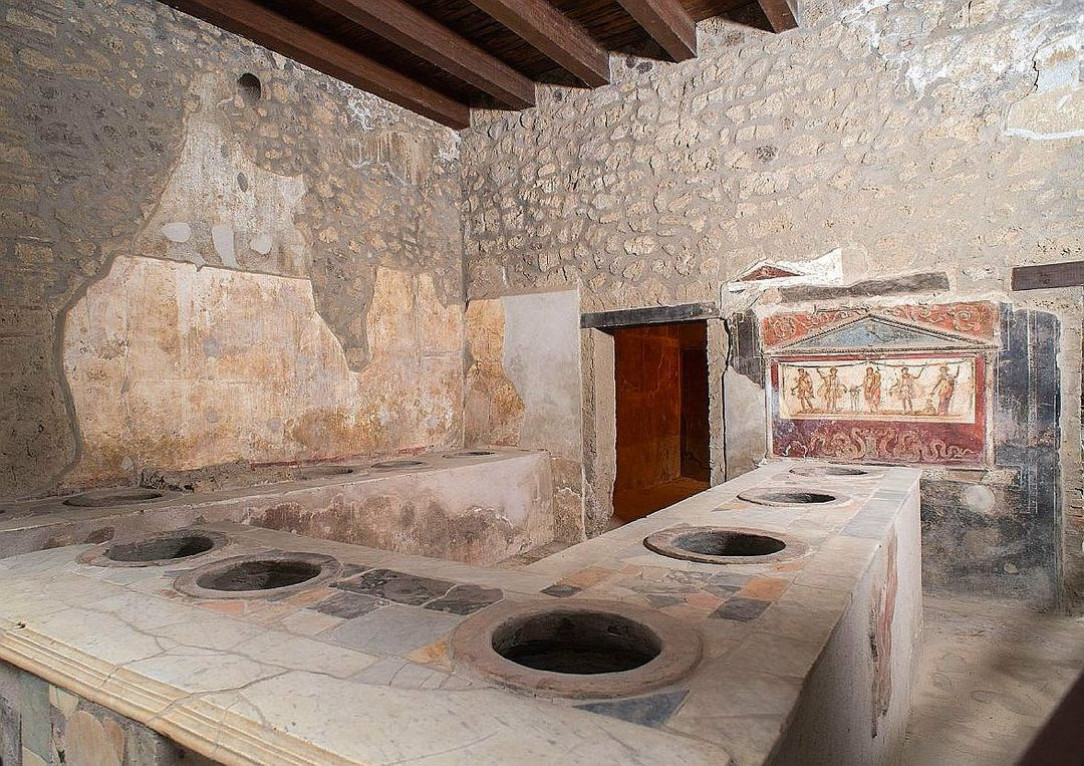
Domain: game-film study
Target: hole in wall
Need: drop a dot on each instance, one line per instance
(250, 88)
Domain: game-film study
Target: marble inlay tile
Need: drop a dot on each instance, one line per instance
(764, 588)
(402, 675)
(309, 622)
(395, 586)
(35, 724)
(561, 591)
(776, 655)
(741, 609)
(466, 599)
(348, 605)
(395, 629)
(651, 711)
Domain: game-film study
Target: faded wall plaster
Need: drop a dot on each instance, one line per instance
(524, 388)
(178, 367)
(125, 137)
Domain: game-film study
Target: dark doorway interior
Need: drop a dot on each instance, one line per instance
(662, 416)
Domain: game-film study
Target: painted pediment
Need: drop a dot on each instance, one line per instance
(882, 334)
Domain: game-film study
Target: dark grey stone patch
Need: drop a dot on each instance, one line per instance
(650, 315)
(721, 589)
(561, 591)
(395, 586)
(659, 600)
(349, 570)
(653, 711)
(728, 579)
(348, 605)
(741, 609)
(933, 282)
(466, 599)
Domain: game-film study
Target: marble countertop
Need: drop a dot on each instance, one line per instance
(356, 670)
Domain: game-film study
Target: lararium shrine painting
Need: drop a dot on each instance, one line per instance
(880, 388)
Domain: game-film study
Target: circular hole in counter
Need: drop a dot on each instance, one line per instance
(581, 648)
(828, 470)
(391, 465)
(324, 471)
(580, 643)
(155, 549)
(724, 545)
(790, 497)
(257, 575)
(100, 498)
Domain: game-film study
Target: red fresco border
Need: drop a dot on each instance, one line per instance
(976, 319)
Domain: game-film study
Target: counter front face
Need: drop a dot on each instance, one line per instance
(716, 635)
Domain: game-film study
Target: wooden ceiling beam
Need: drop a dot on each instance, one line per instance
(668, 23)
(401, 23)
(272, 30)
(554, 34)
(780, 14)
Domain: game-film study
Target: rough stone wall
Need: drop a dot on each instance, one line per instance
(166, 230)
(882, 130)
(938, 138)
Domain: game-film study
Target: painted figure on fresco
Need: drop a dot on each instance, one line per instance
(906, 389)
(854, 392)
(803, 389)
(831, 388)
(944, 388)
(871, 389)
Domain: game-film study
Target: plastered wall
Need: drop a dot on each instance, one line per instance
(198, 271)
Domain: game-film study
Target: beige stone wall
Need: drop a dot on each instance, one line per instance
(938, 136)
(888, 131)
(192, 273)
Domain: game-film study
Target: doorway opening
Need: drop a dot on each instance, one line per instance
(663, 434)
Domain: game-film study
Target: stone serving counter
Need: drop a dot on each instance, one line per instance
(477, 505)
(608, 652)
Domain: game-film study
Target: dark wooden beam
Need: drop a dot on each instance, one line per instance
(401, 23)
(555, 35)
(668, 24)
(1068, 274)
(272, 30)
(686, 312)
(780, 14)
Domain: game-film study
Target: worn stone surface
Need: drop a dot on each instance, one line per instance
(524, 388)
(126, 136)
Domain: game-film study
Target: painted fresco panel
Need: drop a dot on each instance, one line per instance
(936, 389)
(934, 428)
